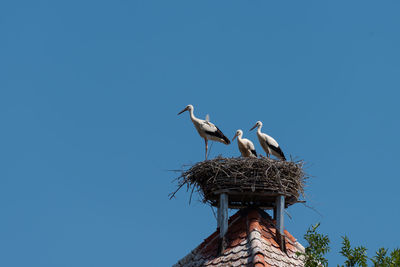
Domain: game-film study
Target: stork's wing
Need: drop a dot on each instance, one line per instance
(208, 118)
(271, 141)
(208, 126)
(213, 130)
(273, 145)
(250, 146)
(219, 134)
(279, 151)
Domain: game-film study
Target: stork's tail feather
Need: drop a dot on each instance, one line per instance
(278, 152)
(226, 140)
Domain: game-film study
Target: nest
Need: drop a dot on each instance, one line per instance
(247, 181)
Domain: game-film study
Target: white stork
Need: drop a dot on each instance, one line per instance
(246, 147)
(206, 129)
(268, 143)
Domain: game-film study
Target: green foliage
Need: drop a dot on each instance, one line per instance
(395, 255)
(318, 246)
(354, 256)
(382, 260)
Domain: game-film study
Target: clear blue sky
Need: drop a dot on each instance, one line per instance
(89, 92)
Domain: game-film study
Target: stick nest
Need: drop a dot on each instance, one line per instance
(248, 181)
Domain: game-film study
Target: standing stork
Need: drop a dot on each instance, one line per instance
(246, 147)
(268, 143)
(206, 129)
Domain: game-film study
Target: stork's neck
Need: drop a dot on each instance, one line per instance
(259, 129)
(192, 117)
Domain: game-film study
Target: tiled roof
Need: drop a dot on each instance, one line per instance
(250, 241)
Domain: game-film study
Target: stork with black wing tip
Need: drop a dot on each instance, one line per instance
(206, 129)
(246, 147)
(268, 143)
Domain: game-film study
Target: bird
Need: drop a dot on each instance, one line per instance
(246, 147)
(206, 129)
(268, 143)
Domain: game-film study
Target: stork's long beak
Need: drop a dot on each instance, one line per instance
(183, 111)
(234, 137)
(253, 127)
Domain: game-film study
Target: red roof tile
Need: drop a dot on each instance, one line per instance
(251, 241)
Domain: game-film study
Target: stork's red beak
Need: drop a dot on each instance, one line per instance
(183, 110)
(253, 127)
(234, 137)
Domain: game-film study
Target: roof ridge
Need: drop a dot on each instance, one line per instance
(257, 252)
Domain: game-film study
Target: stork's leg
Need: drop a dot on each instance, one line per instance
(205, 140)
(206, 148)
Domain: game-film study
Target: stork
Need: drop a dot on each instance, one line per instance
(206, 129)
(246, 147)
(268, 143)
